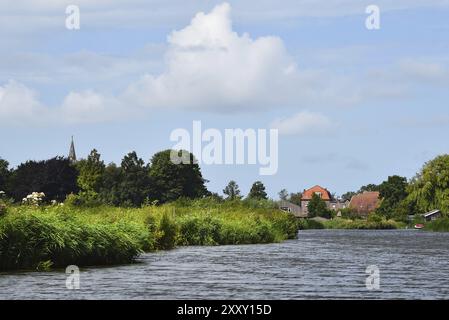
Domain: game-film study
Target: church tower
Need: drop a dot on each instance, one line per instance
(72, 153)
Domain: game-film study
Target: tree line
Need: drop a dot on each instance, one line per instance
(133, 183)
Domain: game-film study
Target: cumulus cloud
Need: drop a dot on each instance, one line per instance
(304, 123)
(209, 66)
(19, 103)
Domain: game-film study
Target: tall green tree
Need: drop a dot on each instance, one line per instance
(429, 189)
(4, 174)
(110, 190)
(232, 191)
(392, 192)
(135, 186)
(56, 177)
(90, 178)
(295, 198)
(317, 207)
(257, 191)
(283, 194)
(172, 180)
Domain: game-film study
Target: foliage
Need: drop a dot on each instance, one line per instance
(348, 196)
(91, 171)
(55, 177)
(295, 198)
(283, 194)
(257, 191)
(392, 192)
(232, 191)
(37, 238)
(439, 225)
(172, 181)
(4, 175)
(318, 208)
(429, 190)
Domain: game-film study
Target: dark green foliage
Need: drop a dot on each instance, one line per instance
(171, 181)
(55, 177)
(232, 191)
(368, 188)
(392, 192)
(283, 194)
(4, 175)
(429, 190)
(134, 185)
(348, 196)
(318, 208)
(90, 178)
(295, 198)
(257, 191)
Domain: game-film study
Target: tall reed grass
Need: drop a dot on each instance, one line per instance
(59, 236)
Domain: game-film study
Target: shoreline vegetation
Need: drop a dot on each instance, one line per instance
(41, 238)
(63, 211)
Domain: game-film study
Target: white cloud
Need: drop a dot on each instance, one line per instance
(304, 123)
(209, 66)
(19, 103)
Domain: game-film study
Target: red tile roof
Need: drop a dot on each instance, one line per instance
(365, 203)
(325, 194)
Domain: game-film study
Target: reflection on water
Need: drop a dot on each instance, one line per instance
(320, 264)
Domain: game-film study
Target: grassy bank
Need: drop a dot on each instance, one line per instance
(39, 238)
(341, 223)
(439, 225)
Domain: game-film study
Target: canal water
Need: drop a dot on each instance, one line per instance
(320, 264)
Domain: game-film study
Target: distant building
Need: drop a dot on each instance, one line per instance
(432, 215)
(302, 211)
(365, 203)
(72, 153)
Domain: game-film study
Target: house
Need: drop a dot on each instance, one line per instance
(307, 195)
(301, 211)
(365, 203)
(293, 208)
(432, 215)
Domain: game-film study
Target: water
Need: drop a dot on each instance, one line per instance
(320, 264)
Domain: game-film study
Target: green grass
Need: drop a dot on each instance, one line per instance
(39, 238)
(359, 224)
(439, 225)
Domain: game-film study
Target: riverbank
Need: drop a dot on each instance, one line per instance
(57, 236)
(346, 224)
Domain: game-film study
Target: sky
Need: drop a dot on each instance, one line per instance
(352, 105)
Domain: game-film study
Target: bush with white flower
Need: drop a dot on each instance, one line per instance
(35, 199)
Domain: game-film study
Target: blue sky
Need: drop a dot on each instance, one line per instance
(364, 104)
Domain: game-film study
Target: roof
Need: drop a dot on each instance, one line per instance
(308, 194)
(365, 202)
(431, 213)
(295, 209)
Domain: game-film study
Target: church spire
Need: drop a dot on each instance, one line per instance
(72, 153)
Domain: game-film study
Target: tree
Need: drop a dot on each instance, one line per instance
(175, 180)
(318, 208)
(283, 194)
(55, 177)
(368, 188)
(257, 191)
(4, 174)
(348, 196)
(134, 186)
(111, 185)
(392, 192)
(232, 191)
(295, 198)
(429, 189)
(90, 175)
